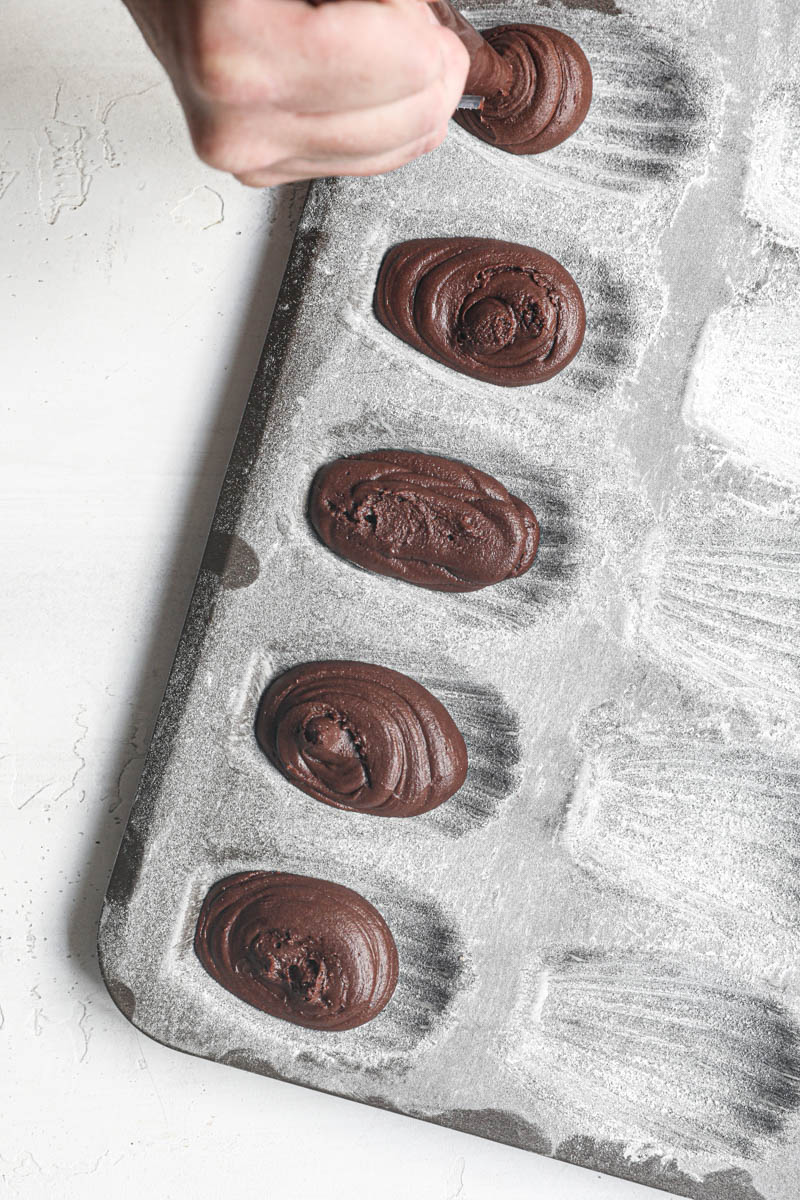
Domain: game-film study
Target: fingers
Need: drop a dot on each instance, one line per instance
(244, 143)
(363, 55)
(297, 58)
(292, 169)
(377, 130)
(276, 90)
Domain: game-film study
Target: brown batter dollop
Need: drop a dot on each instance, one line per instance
(498, 311)
(305, 950)
(549, 94)
(362, 737)
(432, 521)
(536, 81)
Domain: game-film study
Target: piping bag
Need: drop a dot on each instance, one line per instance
(488, 73)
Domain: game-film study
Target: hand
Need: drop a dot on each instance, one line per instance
(278, 90)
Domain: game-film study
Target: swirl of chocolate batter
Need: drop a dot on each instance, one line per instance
(305, 950)
(536, 81)
(361, 737)
(546, 98)
(498, 311)
(432, 521)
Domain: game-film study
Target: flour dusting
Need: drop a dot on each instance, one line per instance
(772, 189)
(722, 607)
(744, 390)
(654, 804)
(683, 1060)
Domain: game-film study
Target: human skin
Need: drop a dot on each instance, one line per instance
(280, 90)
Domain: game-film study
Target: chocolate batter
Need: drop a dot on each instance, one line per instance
(362, 737)
(432, 521)
(546, 97)
(305, 950)
(498, 311)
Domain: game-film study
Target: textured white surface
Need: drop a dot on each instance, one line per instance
(137, 290)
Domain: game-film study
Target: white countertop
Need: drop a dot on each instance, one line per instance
(138, 286)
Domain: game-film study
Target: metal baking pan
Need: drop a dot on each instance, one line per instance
(598, 935)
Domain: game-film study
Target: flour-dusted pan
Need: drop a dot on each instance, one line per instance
(597, 935)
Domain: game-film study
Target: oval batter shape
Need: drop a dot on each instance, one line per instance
(432, 521)
(500, 312)
(549, 95)
(362, 737)
(304, 950)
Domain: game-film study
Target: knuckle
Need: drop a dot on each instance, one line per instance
(222, 78)
(217, 147)
(223, 68)
(213, 80)
(222, 147)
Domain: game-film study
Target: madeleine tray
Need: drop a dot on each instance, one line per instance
(598, 935)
